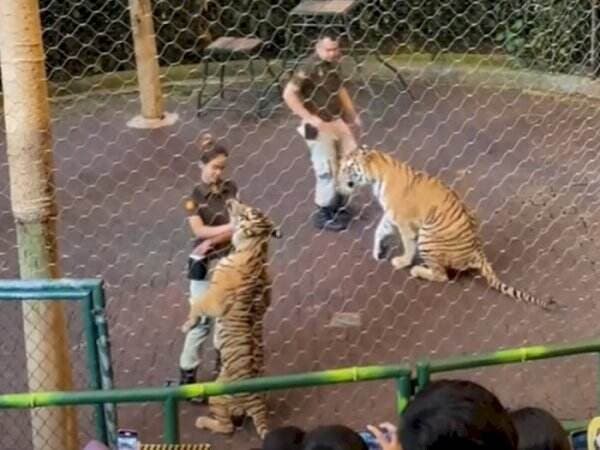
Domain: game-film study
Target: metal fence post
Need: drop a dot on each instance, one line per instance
(423, 374)
(171, 420)
(92, 363)
(403, 393)
(104, 361)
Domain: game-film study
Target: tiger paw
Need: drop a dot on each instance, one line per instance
(400, 262)
(208, 423)
(203, 423)
(262, 434)
(426, 273)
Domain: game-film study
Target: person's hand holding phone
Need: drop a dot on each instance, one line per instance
(386, 436)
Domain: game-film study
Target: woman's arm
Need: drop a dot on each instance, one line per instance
(202, 231)
(221, 238)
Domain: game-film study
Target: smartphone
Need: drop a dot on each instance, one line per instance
(127, 440)
(310, 132)
(369, 439)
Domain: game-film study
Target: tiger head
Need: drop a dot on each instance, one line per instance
(353, 169)
(249, 223)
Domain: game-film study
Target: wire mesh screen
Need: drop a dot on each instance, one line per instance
(501, 106)
(16, 423)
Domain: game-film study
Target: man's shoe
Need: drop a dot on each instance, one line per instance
(188, 376)
(325, 219)
(343, 215)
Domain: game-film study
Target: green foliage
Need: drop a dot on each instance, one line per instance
(85, 37)
(547, 34)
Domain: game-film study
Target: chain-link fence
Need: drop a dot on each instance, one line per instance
(14, 377)
(501, 105)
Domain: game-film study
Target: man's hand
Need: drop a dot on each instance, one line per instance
(386, 435)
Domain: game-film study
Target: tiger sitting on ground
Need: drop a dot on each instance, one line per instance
(238, 296)
(430, 218)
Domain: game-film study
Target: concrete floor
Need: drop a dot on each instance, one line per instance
(526, 164)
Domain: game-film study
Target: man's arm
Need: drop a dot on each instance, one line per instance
(291, 96)
(348, 107)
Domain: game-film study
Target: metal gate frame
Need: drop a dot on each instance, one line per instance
(90, 293)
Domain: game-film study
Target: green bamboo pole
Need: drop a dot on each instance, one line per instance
(347, 375)
(512, 356)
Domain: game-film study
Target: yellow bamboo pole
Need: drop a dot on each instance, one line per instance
(29, 149)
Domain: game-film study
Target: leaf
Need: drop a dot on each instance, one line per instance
(517, 25)
(519, 42)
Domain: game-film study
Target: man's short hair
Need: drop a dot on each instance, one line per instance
(454, 414)
(329, 33)
(333, 437)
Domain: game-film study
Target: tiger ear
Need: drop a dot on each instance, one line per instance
(276, 233)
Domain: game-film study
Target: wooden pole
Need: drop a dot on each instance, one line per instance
(593, 49)
(146, 59)
(29, 149)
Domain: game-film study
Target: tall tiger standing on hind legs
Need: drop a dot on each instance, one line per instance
(238, 297)
(430, 218)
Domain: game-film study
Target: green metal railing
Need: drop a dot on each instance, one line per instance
(171, 396)
(90, 293)
(407, 381)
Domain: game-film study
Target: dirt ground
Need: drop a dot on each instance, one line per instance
(526, 163)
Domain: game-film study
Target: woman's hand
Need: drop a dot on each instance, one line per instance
(203, 248)
(316, 122)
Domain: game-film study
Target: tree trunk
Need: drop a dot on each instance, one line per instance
(29, 148)
(146, 59)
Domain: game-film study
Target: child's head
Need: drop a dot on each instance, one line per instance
(453, 414)
(284, 438)
(539, 430)
(213, 159)
(333, 437)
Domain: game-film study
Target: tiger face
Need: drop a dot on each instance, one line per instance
(352, 169)
(249, 223)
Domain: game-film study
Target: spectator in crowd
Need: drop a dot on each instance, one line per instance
(284, 438)
(539, 430)
(333, 437)
(451, 414)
